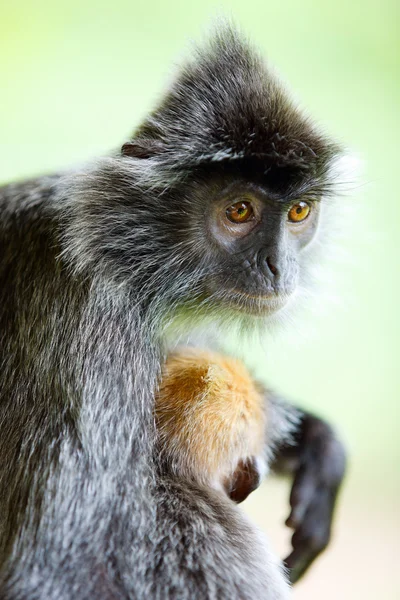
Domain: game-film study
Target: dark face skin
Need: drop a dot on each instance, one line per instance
(257, 238)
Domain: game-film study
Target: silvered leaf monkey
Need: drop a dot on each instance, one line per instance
(208, 211)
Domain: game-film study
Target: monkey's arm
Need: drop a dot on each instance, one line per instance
(316, 460)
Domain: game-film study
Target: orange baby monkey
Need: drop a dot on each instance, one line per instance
(211, 422)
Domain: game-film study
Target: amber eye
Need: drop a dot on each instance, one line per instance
(299, 212)
(240, 212)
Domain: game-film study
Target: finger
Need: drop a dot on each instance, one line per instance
(311, 538)
(298, 562)
(303, 491)
(316, 521)
(314, 533)
(305, 551)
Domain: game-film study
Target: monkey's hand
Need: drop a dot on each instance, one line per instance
(317, 461)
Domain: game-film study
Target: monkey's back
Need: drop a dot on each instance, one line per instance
(35, 347)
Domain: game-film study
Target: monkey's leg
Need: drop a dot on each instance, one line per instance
(316, 460)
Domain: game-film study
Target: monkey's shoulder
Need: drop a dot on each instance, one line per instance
(26, 200)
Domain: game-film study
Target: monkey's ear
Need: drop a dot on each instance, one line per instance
(142, 148)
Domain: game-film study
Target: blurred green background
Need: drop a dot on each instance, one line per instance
(77, 76)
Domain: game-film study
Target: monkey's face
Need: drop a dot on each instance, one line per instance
(253, 241)
(238, 172)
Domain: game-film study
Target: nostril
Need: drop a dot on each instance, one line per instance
(271, 266)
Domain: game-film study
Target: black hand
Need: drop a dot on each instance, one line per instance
(318, 474)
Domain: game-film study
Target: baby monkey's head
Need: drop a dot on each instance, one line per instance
(211, 422)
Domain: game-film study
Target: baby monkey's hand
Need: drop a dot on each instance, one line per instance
(245, 479)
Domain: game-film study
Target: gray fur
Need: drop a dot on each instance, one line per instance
(95, 264)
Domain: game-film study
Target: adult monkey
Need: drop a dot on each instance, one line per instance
(208, 210)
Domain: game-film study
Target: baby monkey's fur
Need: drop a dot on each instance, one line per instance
(211, 419)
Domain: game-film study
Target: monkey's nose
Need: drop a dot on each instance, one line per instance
(270, 264)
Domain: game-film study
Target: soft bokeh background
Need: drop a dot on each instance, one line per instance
(77, 75)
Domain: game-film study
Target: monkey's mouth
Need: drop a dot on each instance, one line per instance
(261, 305)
